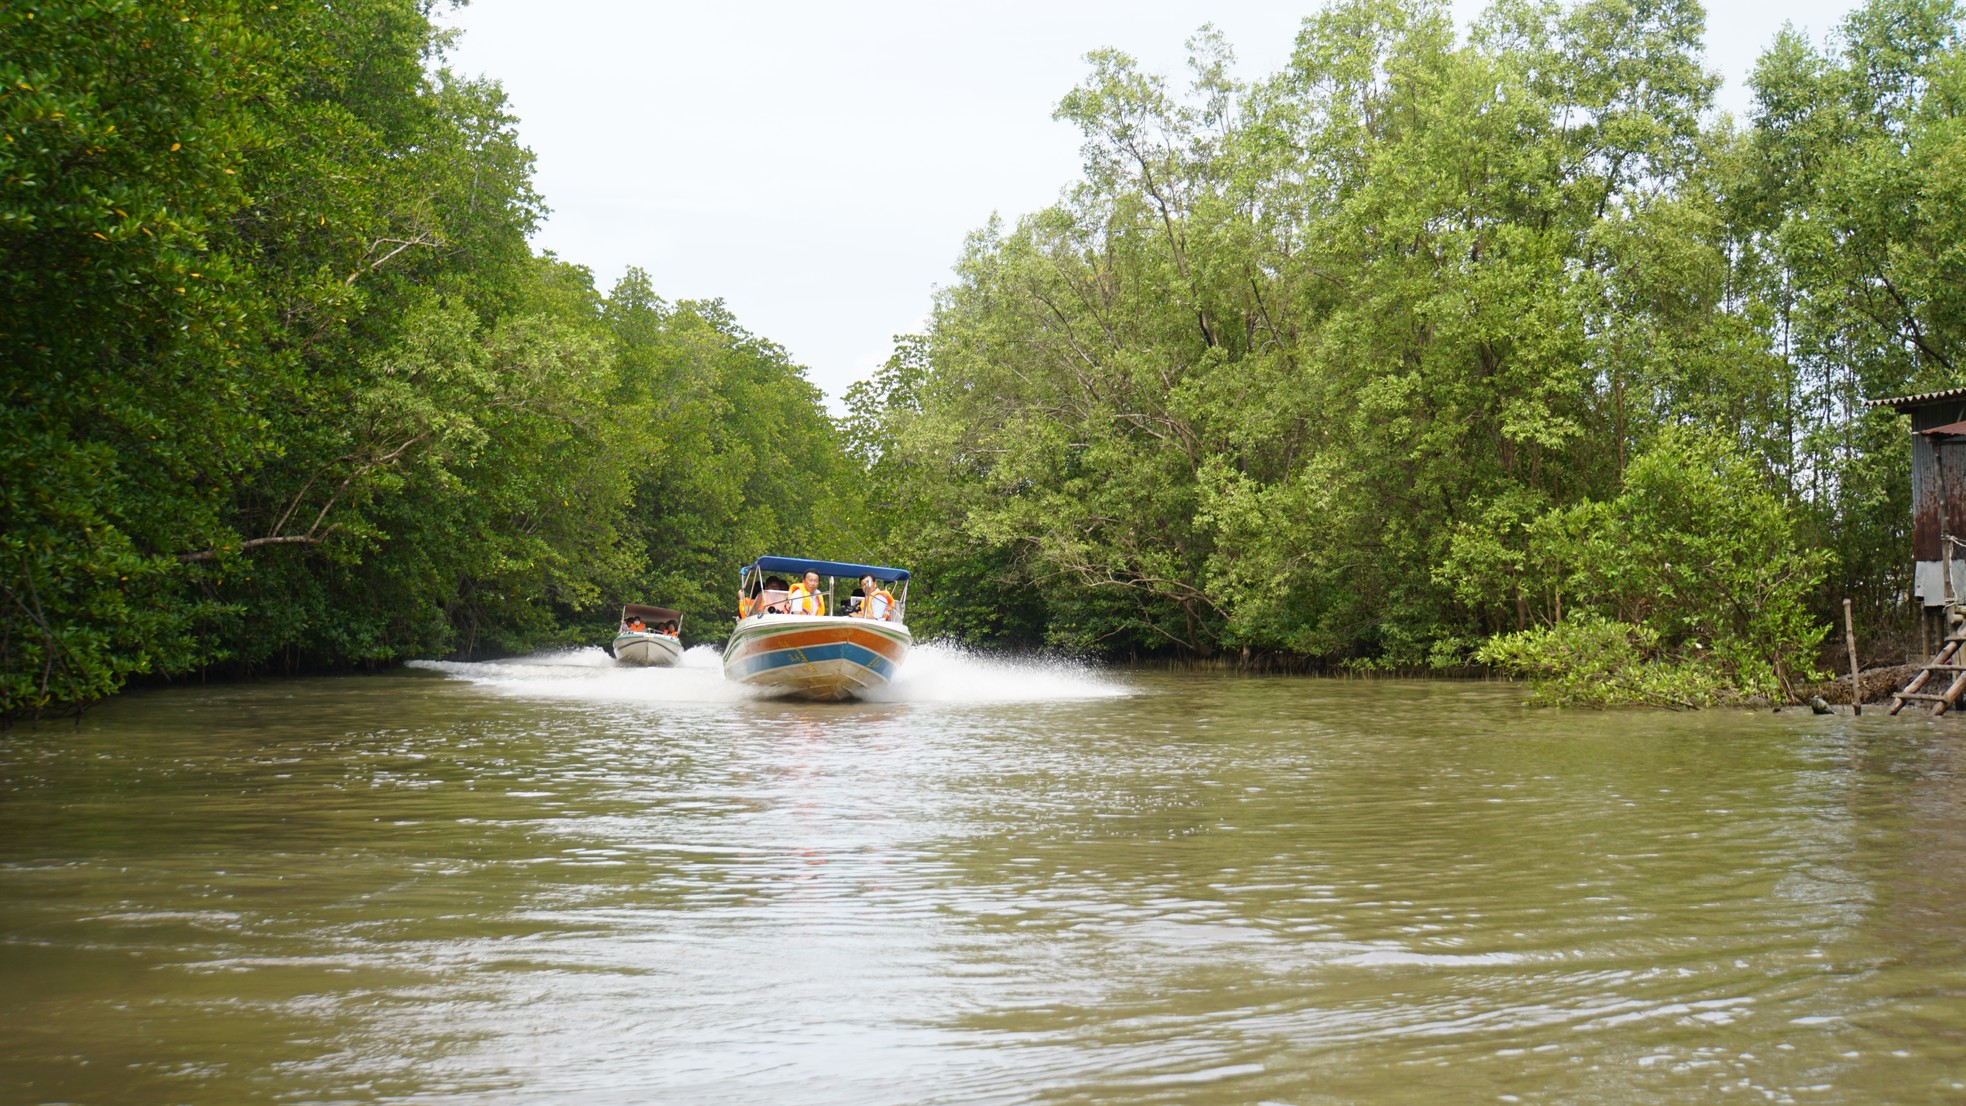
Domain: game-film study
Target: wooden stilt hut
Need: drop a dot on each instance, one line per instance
(1938, 541)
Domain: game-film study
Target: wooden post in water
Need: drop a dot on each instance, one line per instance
(1850, 639)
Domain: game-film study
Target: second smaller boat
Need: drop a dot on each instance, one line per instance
(648, 635)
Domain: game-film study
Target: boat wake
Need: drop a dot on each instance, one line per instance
(591, 674)
(933, 673)
(937, 673)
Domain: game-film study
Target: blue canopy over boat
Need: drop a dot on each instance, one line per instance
(799, 566)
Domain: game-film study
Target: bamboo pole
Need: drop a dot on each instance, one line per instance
(1943, 659)
(1850, 639)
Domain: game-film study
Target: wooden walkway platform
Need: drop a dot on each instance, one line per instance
(1946, 665)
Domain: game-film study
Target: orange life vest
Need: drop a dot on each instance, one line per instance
(806, 602)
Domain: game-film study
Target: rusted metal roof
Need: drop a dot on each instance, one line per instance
(1905, 403)
(1949, 430)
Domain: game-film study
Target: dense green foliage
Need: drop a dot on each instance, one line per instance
(1432, 340)
(1430, 349)
(1684, 590)
(739, 458)
(284, 384)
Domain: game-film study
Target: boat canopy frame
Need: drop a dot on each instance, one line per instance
(651, 614)
(799, 566)
(833, 571)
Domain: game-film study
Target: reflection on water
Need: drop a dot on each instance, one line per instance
(556, 880)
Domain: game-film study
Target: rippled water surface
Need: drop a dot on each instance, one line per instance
(557, 881)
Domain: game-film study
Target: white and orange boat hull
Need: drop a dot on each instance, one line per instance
(815, 657)
(652, 649)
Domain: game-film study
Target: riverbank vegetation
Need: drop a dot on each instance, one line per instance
(285, 386)
(1501, 347)
(1435, 348)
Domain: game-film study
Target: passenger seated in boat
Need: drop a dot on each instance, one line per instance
(772, 601)
(634, 626)
(805, 597)
(748, 601)
(671, 629)
(875, 600)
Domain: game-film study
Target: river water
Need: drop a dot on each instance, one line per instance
(555, 881)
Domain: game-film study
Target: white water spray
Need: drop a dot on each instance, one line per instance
(933, 673)
(938, 673)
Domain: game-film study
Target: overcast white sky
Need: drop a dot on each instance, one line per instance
(817, 166)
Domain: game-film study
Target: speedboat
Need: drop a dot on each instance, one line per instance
(802, 644)
(648, 635)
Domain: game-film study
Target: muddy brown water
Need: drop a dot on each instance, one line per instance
(554, 881)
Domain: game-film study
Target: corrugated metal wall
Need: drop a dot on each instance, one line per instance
(1938, 496)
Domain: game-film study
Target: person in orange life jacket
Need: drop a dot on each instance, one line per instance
(805, 597)
(875, 601)
(635, 626)
(772, 600)
(748, 602)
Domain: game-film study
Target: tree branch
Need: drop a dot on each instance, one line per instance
(254, 543)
